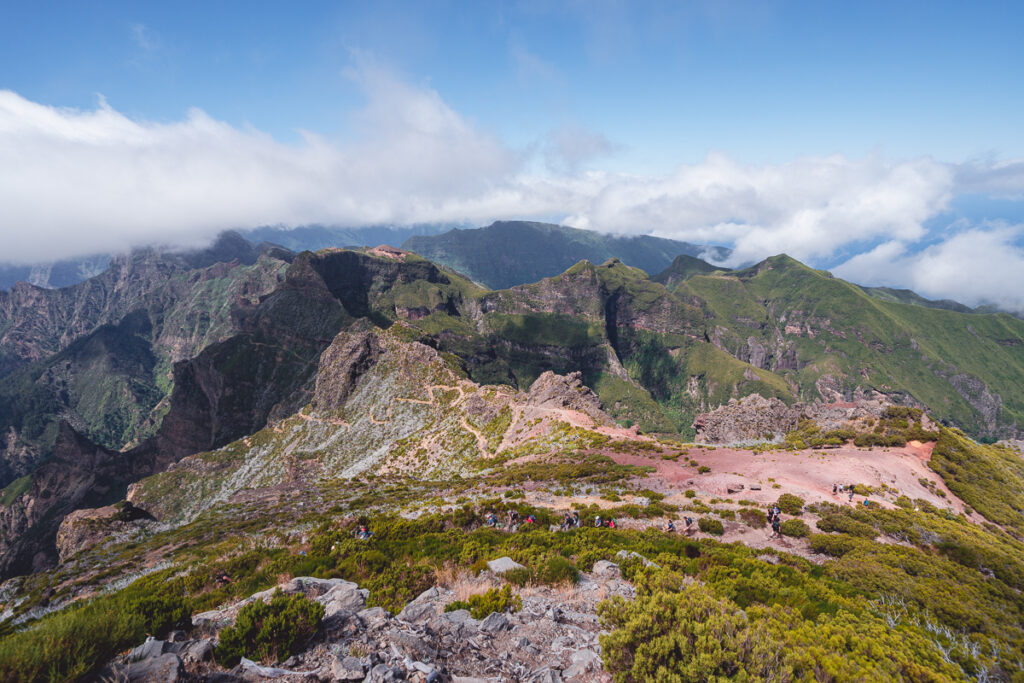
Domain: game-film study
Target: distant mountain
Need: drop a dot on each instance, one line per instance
(683, 268)
(314, 237)
(510, 253)
(55, 274)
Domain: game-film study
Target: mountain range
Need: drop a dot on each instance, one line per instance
(229, 383)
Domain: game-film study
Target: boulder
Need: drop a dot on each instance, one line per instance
(164, 668)
(347, 669)
(494, 622)
(151, 648)
(503, 564)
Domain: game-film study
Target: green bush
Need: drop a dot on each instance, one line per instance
(703, 469)
(790, 504)
(846, 525)
(72, 643)
(795, 528)
(752, 517)
(690, 493)
(836, 546)
(711, 526)
(483, 604)
(558, 570)
(270, 632)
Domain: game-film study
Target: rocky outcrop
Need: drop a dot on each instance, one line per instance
(87, 527)
(346, 360)
(566, 392)
(554, 637)
(755, 418)
(752, 418)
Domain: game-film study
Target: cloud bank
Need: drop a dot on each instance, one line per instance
(75, 182)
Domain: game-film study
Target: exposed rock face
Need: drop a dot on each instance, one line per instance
(754, 418)
(346, 360)
(566, 391)
(86, 527)
(751, 418)
(553, 638)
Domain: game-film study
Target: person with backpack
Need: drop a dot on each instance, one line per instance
(597, 522)
(671, 526)
(492, 520)
(611, 523)
(576, 518)
(777, 528)
(566, 521)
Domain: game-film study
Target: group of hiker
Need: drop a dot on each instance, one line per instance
(838, 489)
(513, 522)
(671, 526)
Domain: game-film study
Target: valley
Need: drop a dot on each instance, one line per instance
(187, 431)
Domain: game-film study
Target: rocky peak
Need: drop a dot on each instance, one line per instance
(566, 392)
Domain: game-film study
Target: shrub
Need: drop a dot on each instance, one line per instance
(558, 570)
(703, 469)
(710, 526)
(483, 604)
(845, 525)
(270, 631)
(796, 528)
(690, 493)
(752, 517)
(790, 504)
(836, 546)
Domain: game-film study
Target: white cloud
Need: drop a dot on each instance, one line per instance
(78, 182)
(977, 265)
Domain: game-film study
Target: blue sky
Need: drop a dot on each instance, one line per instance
(853, 135)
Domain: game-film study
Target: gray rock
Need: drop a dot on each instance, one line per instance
(583, 662)
(458, 616)
(197, 651)
(606, 570)
(503, 564)
(410, 645)
(382, 673)
(164, 668)
(417, 612)
(374, 616)
(343, 596)
(494, 622)
(151, 648)
(249, 670)
(348, 669)
(546, 675)
(472, 679)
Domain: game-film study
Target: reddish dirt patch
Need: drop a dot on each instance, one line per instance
(809, 474)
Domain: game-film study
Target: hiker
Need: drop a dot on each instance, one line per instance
(492, 520)
(363, 533)
(851, 493)
(771, 514)
(530, 519)
(671, 526)
(835, 489)
(777, 528)
(597, 522)
(566, 521)
(576, 518)
(611, 523)
(689, 521)
(223, 579)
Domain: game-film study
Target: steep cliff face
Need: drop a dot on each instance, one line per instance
(80, 474)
